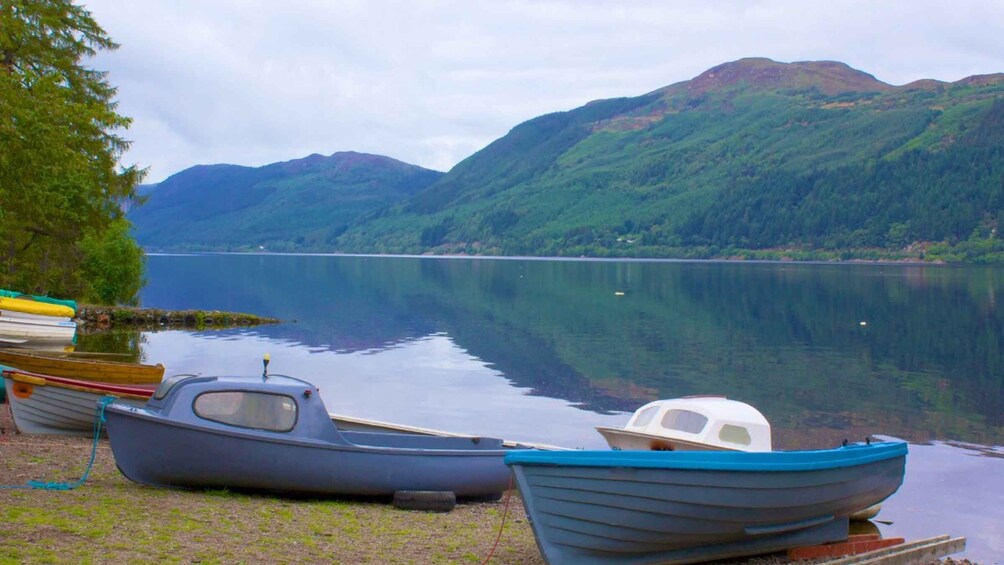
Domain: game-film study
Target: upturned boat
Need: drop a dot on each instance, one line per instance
(14, 301)
(45, 404)
(273, 433)
(691, 506)
(18, 328)
(82, 369)
(36, 320)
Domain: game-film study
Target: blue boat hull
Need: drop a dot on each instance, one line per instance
(684, 507)
(159, 452)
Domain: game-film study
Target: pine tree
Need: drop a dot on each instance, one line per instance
(60, 178)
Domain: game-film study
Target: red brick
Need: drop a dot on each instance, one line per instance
(841, 549)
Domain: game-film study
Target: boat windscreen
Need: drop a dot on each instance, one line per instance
(168, 384)
(248, 409)
(644, 417)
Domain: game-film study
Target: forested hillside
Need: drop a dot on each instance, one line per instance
(304, 204)
(752, 158)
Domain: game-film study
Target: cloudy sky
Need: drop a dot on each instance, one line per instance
(430, 82)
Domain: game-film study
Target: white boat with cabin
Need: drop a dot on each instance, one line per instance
(692, 423)
(699, 423)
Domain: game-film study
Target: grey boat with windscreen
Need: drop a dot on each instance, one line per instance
(273, 433)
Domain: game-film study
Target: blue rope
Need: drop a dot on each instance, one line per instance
(99, 419)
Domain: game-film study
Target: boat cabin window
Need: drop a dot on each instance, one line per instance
(684, 421)
(735, 434)
(645, 416)
(246, 409)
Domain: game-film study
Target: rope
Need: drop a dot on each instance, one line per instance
(99, 419)
(508, 494)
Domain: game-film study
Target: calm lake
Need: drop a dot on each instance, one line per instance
(545, 350)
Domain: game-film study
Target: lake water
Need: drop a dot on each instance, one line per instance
(545, 350)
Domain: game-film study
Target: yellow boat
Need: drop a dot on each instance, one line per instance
(28, 306)
(83, 369)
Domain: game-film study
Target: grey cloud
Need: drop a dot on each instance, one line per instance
(254, 82)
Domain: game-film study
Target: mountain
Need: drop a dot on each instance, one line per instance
(294, 205)
(752, 158)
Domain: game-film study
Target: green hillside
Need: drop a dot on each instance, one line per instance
(302, 204)
(753, 158)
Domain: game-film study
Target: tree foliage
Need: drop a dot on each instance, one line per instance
(60, 181)
(113, 263)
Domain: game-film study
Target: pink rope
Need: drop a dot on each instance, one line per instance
(505, 512)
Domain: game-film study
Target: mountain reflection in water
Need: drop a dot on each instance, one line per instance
(913, 351)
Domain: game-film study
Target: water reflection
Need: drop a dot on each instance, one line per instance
(428, 382)
(950, 489)
(123, 345)
(911, 351)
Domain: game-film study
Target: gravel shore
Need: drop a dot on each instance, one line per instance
(110, 518)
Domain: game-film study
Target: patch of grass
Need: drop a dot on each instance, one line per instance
(111, 516)
(217, 492)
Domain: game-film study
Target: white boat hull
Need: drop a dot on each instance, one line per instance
(41, 318)
(56, 410)
(36, 329)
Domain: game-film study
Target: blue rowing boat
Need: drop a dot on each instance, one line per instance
(690, 506)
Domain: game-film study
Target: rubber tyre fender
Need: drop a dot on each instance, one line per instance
(425, 500)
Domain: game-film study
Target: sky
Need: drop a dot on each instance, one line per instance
(253, 82)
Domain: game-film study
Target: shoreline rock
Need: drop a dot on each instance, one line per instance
(90, 317)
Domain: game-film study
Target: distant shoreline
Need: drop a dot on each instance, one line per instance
(903, 262)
